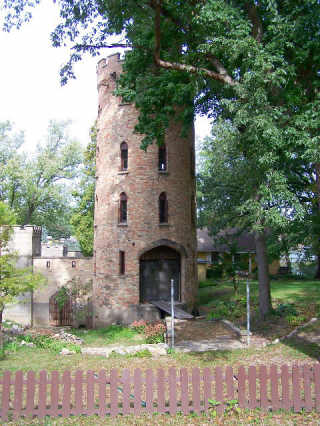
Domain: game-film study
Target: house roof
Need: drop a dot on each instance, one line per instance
(224, 240)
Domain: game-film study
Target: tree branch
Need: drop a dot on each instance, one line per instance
(221, 69)
(194, 70)
(223, 77)
(79, 47)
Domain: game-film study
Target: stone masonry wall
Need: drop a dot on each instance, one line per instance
(116, 297)
(59, 272)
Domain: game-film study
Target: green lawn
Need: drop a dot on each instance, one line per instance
(292, 291)
(109, 335)
(294, 303)
(36, 359)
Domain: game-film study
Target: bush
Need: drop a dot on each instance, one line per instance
(207, 283)
(285, 309)
(215, 271)
(139, 326)
(153, 331)
(221, 310)
(46, 342)
(295, 320)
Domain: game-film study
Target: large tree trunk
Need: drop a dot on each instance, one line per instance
(263, 275)
(1, 334)
(317, 276)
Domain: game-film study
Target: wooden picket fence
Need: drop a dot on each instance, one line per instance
(172, 391)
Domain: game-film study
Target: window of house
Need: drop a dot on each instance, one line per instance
(162, 158)
(124, 156)
(48, 264)
(123, 208)
(163, 208)
(73, 264)
(122, 264)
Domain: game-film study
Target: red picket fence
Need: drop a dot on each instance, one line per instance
(54, 394)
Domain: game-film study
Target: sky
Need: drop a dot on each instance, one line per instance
(30, 90)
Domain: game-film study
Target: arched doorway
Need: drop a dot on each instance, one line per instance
(157, 267)
(59, 316)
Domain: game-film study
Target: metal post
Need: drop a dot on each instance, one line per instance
(172, 314)
(248, 301)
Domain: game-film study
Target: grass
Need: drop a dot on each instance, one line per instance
(216, 299)
(292, 291)
(235, 417)
(36, 359)
(295, 351)
(109, 335)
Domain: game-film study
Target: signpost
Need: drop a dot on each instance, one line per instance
(172, 314)
(248, 300)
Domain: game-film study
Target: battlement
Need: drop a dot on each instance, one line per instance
(108, 69)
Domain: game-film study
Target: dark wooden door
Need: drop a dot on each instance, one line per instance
(60, 317)
(155, 279)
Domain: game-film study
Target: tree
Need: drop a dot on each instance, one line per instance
(13, 281)
(253, 63)
(243, 192)
(37, 186)
(82, 218)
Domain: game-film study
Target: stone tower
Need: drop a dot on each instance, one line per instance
(144, 212)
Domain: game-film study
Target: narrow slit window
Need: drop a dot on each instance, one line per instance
(163, 208)
(122, 263)
(124, 156)
(162, 158)
(123, 208)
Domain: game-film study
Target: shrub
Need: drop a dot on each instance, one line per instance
(46, 342)
(154, 332)
(295, 320)
(207, 283)
(139, 326)
(215, 271)
(221, 310)
(285, 309)
(144, 353)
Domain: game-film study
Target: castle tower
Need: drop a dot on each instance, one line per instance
(144, 212)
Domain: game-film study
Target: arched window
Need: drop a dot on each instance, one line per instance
(163, 208)
(162, 158)
(124, 156)
(123, 208)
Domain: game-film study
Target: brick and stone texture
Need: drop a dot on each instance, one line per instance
(59, 272)
(116, 297)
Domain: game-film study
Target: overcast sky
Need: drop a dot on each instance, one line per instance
(30, 91)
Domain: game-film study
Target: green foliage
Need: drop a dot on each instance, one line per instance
(153, 331)
(34, 185)
(83, 215)
(106, 335)
(215, 271)
(41, 342)
(144, 353)
(295, 320)
(233, 310)
(61, 297)
(285, 309)
(250, 66)
(13, 280)
(207, 283)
